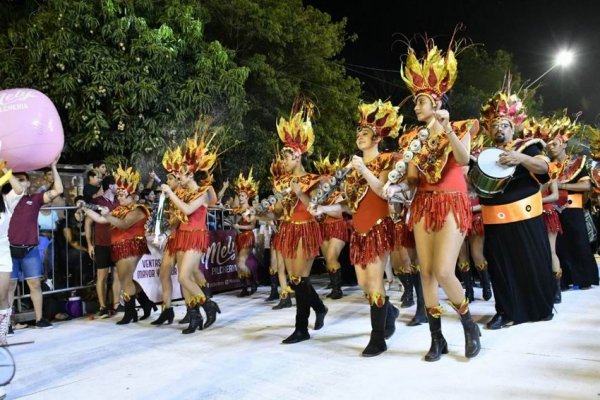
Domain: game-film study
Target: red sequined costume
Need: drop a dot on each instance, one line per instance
(373, 230)
(130, 242)
(477, 222)
(551, 218)
(192, 233)
(244, 239)
(298, 224)
(442, 186)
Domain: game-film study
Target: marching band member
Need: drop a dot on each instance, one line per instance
(299, 236)
(372, 236)
(516, 242)
(440, 210)
(128, 240)
(191, 239)
(334, 229)
(246, 189)
(572, 246)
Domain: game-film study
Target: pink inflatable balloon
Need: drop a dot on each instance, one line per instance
(31, 133)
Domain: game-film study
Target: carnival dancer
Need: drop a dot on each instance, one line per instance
(572, 245)
(334, 229)
(440, 210)
(128, 240)
(516, 242)
(299, 235)
(191, 239)
(372, 236)
(246, 189)
(277, 266)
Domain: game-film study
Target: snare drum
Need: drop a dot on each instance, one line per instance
(488, 177)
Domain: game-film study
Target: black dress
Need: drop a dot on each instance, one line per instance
(518, 254)
(572, 247)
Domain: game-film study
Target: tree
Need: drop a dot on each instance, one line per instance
(289, 50)
(127, 77)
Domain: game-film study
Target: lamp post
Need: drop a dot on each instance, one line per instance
(563, 59)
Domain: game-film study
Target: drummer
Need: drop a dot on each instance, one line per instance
(516, 243)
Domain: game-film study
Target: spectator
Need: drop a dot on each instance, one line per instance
(99, 248)
(23, 237)
(147, 197)
(100, 168)
(92, 187)
(47, 181)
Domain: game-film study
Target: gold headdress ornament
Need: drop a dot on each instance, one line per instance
(247, 185)
(297, 133)
(197, 153)
(593, 135)
(325, 167)
(557, 127)
(127, 180)
(434, 75)
(382, 118)
(503, 105)
(173, 160)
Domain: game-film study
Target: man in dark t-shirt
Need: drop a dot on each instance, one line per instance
(23, 238)
(99, 248)
(92, 186)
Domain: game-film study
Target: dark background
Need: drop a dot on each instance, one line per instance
(532, 31)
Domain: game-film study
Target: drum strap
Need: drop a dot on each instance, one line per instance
(519, 210)
(575, 200)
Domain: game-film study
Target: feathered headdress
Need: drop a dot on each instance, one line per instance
(382, 118)
(434, 75)
(593, 135)
(325, 167)
(173, 160)
(127, 180)
(557, 127)
(247, 185)
(503, 105)
(297, 133)
(197, 152)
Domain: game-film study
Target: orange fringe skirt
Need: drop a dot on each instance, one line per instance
(244, 240)
(435, 207)
(189, 240)
(290, 235)
(275, 242)
(366, 247)
(403, 236)
(476, 225)
(338, 229)
(136, 247)
(552, 220)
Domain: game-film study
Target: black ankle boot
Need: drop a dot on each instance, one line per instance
(283, 303)
(207, 291)
(336, 285)
(303, 299)
(557, 292)
(420, 314)
(211, 309)
(439, 345)
(273, 295)
(377, 344)
(147, 305)
(467, 278)
(195, 321)
(186, 317)
(472, 334)
(167, 315)
(130, 312)
(407, 299)
(390, 321)
(244, 292)
(486, 284)
(253, 285)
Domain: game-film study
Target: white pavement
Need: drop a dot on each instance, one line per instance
(240, 357)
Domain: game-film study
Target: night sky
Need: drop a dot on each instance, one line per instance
(532, 31)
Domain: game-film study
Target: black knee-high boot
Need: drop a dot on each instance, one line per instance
(317, 304)
(420, 316)
(486, 283)
(244, 292)
(336, 285)
(467, 278)
(439, 345)
(557, 291)
(274, 295)
(390, 320)
(407, 298)
(130, 312)
(303, 297)
(377, 344)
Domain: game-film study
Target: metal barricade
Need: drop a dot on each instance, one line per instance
(66, 268)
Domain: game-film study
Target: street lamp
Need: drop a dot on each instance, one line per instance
(563, 59)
